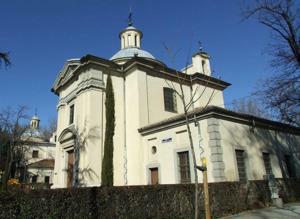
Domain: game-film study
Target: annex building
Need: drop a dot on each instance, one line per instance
(36, 165)
(151, 143)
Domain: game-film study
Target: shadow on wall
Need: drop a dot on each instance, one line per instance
(80, 146)
(281, 144)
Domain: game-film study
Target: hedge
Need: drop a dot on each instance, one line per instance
(161, 201)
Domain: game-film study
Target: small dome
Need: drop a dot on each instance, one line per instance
(131, 52)
(130, 28)
(130, 39)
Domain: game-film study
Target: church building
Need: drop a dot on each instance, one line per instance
(36, 166)
(151, 143)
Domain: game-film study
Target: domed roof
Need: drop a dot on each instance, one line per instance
(130, 28)
(131, 52)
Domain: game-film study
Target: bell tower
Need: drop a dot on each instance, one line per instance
(130, 37)
(35, 121)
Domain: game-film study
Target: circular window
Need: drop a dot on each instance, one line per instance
(153, 150)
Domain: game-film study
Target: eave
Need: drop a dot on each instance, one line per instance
(158, 69)
(165, 72)
(84, 62)
(221, 113)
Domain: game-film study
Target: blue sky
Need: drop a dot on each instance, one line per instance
(42, 35)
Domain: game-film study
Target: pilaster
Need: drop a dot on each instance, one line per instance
(216, 151)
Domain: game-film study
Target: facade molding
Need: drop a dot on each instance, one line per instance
(221, 113)
(154, 68)
(216, 151)
(91, 83)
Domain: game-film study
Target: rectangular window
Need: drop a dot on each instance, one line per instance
(71, 120)
(184, 167)
(34, 179)
(289, 166)
(47, 179)
(170, 100)
(267, 162)
(240, 161)
(35, 154)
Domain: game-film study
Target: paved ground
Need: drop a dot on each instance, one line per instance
(289, 211)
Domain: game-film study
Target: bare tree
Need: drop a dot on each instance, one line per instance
(48, 130)
(4, 58)
(249, 106)
(280, 93)
(12, 122)
(3, 147)
(188, 99)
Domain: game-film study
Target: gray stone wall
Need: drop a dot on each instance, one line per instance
(216, 154)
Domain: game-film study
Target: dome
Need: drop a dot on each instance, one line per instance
(131, 52)
(130, 39)
(130, 28)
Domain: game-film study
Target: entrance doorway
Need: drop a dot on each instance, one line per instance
(154, 176)
(70, 170)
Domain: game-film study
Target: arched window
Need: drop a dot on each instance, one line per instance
(129, 40)
(203, 66)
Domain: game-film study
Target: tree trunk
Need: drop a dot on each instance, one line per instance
(192, 149)
(194, 163)
(7, 170)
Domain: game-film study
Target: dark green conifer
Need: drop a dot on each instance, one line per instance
(107, 173)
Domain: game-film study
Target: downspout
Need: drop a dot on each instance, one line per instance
(125, 140)
(102, 116)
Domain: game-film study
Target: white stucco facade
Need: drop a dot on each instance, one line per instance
(142, 121)
(38, 155)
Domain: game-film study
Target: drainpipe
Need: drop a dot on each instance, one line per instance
(125, 143)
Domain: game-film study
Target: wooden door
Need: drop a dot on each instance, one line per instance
(70, 168)
(154, 176)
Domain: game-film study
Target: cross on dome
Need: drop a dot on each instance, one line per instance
(130, 18)
(130, 39)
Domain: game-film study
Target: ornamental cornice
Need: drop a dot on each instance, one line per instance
(68, 98)
(91, 83)
(87, 80)
(66, 73)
